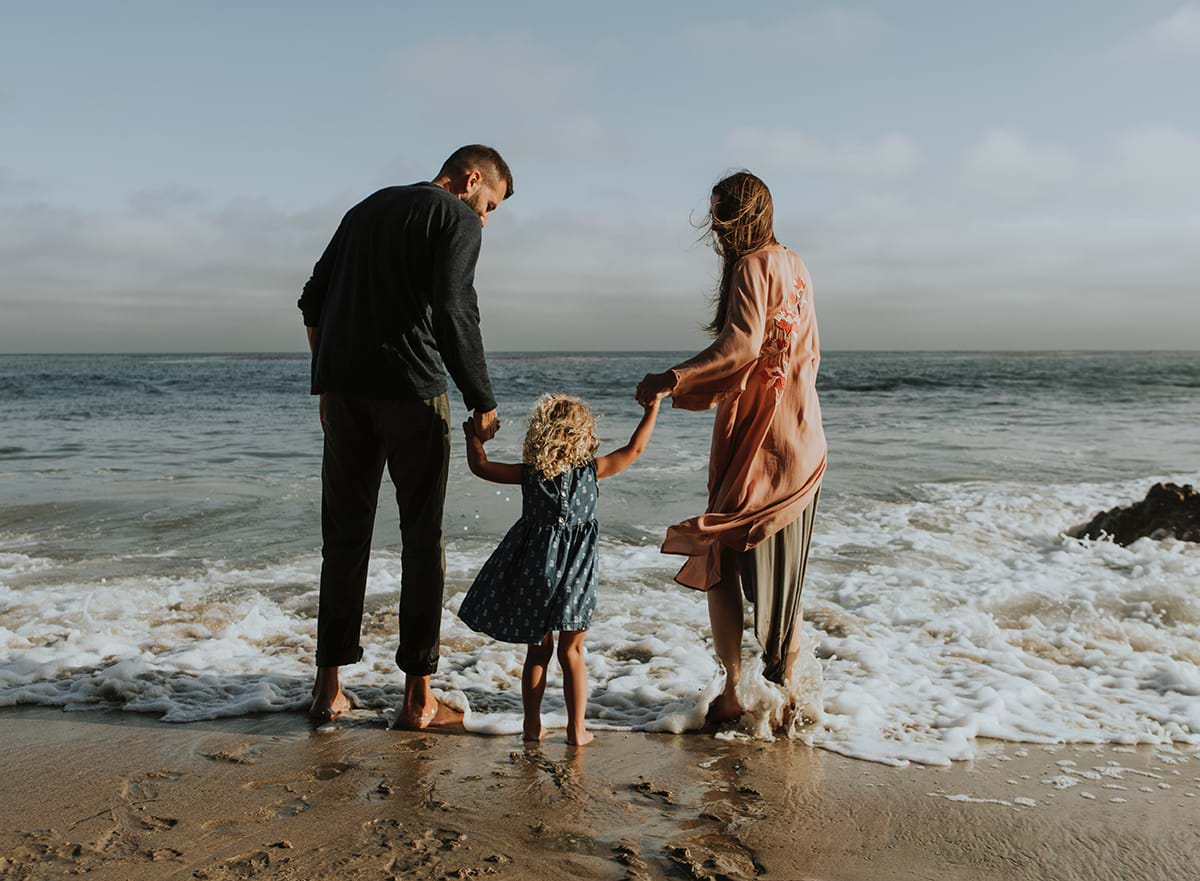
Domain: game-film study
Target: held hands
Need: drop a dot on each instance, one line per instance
(484, 425)
(474, 444)
(649, 393)
(654, 387)
(477, 458)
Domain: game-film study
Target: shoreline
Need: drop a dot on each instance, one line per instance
(122, 796)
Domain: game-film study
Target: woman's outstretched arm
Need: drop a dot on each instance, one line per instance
(618, 460)
(477, 460)
(722, 368)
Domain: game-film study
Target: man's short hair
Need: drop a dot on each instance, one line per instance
(485, 159)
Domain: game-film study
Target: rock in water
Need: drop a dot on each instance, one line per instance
(1169, 510)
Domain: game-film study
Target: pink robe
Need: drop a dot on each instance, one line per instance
(768, 447)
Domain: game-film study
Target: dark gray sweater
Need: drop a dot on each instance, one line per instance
(393, 297)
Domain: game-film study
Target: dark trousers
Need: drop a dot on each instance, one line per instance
(413, 439)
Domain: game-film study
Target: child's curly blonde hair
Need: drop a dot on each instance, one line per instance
(561, 435)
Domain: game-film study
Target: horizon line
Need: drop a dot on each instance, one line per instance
(301, 352)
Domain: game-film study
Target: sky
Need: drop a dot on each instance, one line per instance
(956, 175)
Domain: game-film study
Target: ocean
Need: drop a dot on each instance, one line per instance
(160, 548)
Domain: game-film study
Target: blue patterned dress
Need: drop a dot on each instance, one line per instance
(542, 577)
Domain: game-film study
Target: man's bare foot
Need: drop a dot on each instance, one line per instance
(326, 707)
(725, 708)
(421, 710)
(580, 738)
(433, 714)
(416, 717)
(533, 732)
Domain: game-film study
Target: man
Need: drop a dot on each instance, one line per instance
(391, 300)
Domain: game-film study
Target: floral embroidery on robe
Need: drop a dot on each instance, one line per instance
(782, 334)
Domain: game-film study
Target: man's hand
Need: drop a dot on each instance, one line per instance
(473, 442)
(486, 424)
(654, 387)
(321, 410)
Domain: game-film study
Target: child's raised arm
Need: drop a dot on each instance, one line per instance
(618, 460)
(477, 460)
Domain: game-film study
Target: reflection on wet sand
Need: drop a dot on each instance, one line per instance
(124, 797)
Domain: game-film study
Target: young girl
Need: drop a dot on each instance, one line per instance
(542, 577)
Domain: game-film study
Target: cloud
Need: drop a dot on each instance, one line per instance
(1008, 166)
(1178, 34)
(924, 260)
(534, 105)
(462, 76)
(165, 199)
(1150, 168)
(168, 270)
(1028, 245)
(1157, 161)
(818, 35)
(891, 155)
(12, 186)
(934, 274)
(193, 277)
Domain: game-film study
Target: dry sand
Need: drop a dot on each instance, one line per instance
(117, 796)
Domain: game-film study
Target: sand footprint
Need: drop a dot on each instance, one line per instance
(244, 754)
(330, 770)
(246, 865)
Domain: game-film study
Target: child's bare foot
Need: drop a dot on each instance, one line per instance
(725, 708)
(580, 738)
(533, 732)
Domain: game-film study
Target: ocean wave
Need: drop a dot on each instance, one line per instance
(959, 613)
(895, 384)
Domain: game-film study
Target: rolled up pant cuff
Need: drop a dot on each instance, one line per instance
(417, 666)
(339, 657)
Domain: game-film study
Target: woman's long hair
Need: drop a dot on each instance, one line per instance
(741, 219)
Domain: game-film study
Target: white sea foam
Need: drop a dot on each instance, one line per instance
(961, 614)
(970, 799)
(21, 564)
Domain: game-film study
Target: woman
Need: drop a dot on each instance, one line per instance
(768, 448)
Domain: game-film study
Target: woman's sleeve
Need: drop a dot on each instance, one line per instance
(724, 368)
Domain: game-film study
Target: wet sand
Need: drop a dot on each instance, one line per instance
(119, 796)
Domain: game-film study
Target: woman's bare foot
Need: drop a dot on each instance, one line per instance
(793, 713)
(580, 738)
(533, 732)
(326, 707)
(725, 708)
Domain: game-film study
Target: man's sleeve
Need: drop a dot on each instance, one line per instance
(455, 309)
(312, 298)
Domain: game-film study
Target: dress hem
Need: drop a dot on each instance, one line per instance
(521, 640)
